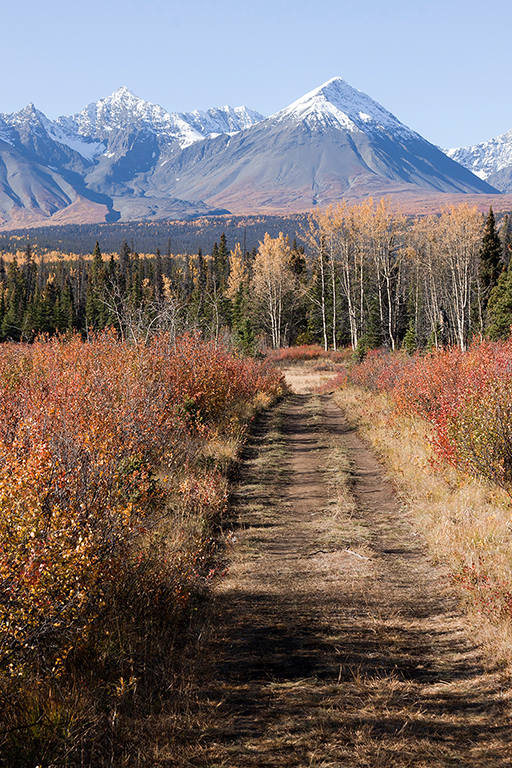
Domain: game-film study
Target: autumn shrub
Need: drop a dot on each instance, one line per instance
(306, 352)
(493, 596)
(105, 502)
(466, 396)
(380, 370)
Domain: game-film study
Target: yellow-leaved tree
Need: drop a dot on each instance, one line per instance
(237, 272)
(274, 284)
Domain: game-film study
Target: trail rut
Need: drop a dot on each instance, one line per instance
(337, 641)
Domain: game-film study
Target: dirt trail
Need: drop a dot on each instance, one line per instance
(338, 643)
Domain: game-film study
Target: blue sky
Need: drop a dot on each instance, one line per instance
(443, 68)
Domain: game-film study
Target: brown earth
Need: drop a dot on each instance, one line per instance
(81, 211)
(407, 199)
(335, 640)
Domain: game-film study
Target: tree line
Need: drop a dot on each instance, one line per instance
(383, 279)
(146, 236)
(362, 275)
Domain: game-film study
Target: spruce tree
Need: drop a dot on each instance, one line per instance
(158, 277)
(298, 261)
(200, 278)
(409, 343)
(299, 309)
(48, 308)
(499, 307)
(221, 262)
(187, 285)
(506, 239)
(30, 272)
(65, 315)
(2, 312)
(95, 310)
(491, 264)
(373, 337)
(124, 267)
(136, 282)
(15, 303)
(31, 318)
(201, 272)
(243, 333)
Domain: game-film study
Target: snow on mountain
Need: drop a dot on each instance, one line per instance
(28, 120)
(487, 158)
(5, 131)
(125, 158)
(333, 142)
(88, 149)
(120, 111)
(123, 110)
(220, 120)
(337, 104)
(31, 130)
(28, 115)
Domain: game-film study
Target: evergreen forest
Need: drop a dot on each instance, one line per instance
(363, 276)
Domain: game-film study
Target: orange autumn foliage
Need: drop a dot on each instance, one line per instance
(96, 439)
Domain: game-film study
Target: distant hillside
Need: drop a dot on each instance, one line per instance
(146, 237)
(124, 159)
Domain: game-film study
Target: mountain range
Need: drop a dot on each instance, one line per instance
(491, 160)
(122, 158)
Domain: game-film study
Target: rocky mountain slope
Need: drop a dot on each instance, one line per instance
(491, 160)
(334, 142)
(124, 158)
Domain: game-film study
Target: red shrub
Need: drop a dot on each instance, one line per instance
(84, 428)
(467, 396)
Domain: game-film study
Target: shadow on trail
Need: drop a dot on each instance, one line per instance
(278, 656)
(330, 660)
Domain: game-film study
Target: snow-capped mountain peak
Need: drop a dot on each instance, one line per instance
(119, 110)
(338, 104)
(124, 94)
(28, 116)
(487, 158)
(123, 109)
(223, 119)
(125, 157)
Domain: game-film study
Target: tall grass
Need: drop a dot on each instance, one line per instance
(307, 352)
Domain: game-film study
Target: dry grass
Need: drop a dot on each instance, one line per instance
(332, 646)
(306, 377)
(466, 522)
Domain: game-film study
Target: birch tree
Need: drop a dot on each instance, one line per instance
(461, 233)
(274, 284)
(237, 272)
(383, 230)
